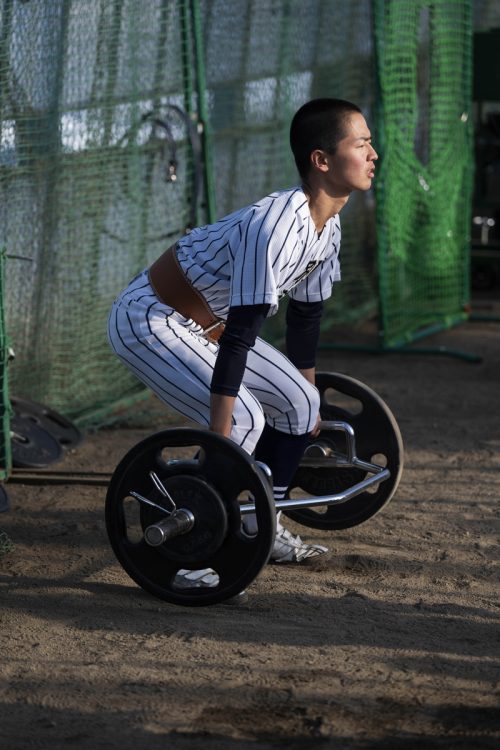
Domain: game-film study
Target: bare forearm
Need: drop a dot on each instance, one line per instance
(309, 374)
(221, 411)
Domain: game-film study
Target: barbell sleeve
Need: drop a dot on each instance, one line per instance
(179, 522)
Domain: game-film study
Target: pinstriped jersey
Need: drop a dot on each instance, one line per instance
(262, 252)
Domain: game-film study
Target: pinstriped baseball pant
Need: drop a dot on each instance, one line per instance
(171, 356)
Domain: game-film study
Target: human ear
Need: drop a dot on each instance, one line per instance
(319, 160)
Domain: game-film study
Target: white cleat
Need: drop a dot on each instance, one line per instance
(289, 548)
(195, 579)
(185, 580)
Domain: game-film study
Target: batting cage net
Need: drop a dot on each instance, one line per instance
(424, 185)
(5, 444)
(125, 123)
(97, 177)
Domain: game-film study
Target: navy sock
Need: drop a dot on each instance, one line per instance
(282, 453)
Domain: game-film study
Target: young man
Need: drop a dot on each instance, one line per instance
(188, 326)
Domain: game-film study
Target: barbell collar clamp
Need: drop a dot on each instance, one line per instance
(161, 488)
(147, 501)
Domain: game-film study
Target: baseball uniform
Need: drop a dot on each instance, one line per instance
(242, 264)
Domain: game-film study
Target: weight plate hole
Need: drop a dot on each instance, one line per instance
(133, 526)
(321, 510)
(348, 403)
(381, 460)
(182, 453)
(249, 526)
(206, 578)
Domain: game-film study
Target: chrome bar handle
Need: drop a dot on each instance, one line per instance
(312, 502)
(348, 431)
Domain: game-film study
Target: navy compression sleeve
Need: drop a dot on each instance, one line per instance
(242, 326)
(302, 332)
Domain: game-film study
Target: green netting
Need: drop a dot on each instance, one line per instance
(424, 184)
(5, 446)
(93, 96)
(103, 102)
(280, 55)
(92, 101)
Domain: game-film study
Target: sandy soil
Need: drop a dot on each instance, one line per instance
(390, 642)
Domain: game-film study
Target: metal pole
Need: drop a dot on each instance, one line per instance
(203, 123)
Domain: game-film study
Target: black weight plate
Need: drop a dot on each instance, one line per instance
(193, 494)
(31, 445)
(378, 440)
(236, 557)
(50, 420)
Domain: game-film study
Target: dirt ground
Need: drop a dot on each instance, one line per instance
(392, 641)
